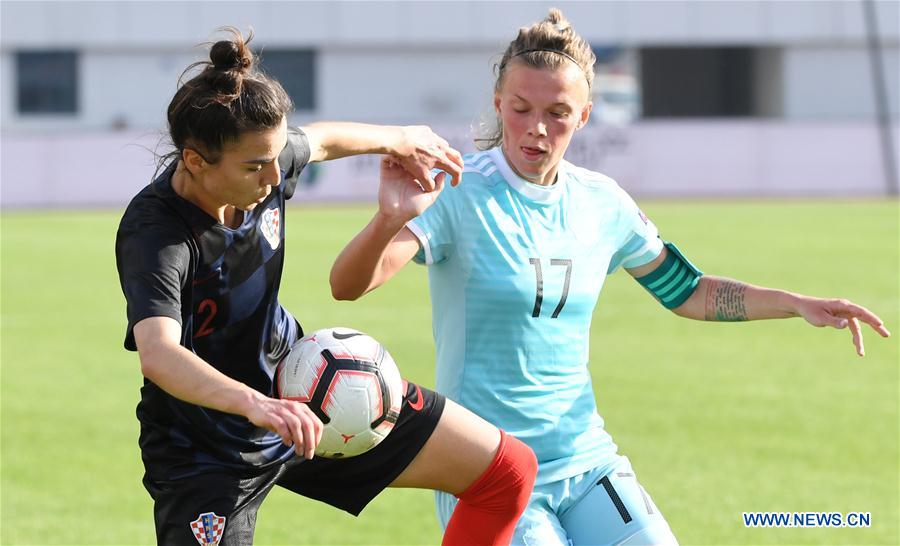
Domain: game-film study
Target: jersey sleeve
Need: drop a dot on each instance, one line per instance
(293, 158)
(434, 228)
(153, 270)
(639, 241)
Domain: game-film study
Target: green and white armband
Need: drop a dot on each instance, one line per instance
(673, 282)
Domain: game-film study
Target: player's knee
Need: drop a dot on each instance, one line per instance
(507, 483)
(526, 466)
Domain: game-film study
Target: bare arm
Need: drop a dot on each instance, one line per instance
(186, 376)
(726, 300)
(375, 255)
(385, 245)
(417, 148)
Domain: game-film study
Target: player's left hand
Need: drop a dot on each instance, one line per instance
(420, 150)
(400, 196)
(841, 313)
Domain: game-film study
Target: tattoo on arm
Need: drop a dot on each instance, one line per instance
(725, 301)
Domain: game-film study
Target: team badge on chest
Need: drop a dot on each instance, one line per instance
(208, 529)
(271, 227)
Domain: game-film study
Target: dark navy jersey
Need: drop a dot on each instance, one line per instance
(221, 284)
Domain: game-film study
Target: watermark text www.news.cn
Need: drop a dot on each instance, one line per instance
(807, 519)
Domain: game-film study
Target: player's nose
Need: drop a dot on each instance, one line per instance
(537, 127)
(271, 174)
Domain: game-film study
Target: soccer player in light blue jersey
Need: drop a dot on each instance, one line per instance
(517, 255)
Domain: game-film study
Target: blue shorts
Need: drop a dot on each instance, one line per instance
(588, 509)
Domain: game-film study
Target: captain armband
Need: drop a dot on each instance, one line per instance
(673, 282)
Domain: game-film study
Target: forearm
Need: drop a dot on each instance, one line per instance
(361, 266)
(721, 299)
(336, 139)
(187, 377)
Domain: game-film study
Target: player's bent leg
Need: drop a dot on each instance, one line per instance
(616, 510)
(488, 509)
(537, 526)
(491, 473)
(459, 450)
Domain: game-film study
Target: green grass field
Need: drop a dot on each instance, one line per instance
(718, 419)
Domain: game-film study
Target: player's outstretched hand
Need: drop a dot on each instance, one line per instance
(420, 150)
(841, 313)
(400, 197)
(293, 421)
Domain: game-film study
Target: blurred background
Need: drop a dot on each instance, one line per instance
(692, 98)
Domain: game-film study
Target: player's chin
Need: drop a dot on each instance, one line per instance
(533, 170)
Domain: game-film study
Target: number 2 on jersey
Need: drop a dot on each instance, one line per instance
(539, 281)
(208, 304)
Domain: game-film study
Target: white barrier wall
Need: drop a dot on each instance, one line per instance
(726, 158)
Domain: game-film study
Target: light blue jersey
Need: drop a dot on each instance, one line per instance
(515, 270)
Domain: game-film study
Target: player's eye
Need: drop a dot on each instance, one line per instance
(560, 115)
(255, 169)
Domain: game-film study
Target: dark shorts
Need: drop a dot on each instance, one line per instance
(223, 504)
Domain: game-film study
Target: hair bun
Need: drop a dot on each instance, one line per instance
(558, 20)
(229, 55)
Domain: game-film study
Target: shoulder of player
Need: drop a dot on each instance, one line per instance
(590, 179)
(480, 170)
(598, 186)
(151, 214)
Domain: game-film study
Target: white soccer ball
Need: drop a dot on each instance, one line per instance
(350, 382)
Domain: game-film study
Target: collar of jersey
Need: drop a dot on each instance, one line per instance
(533, 192)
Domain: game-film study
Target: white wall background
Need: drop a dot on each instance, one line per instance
(667, 159)
(430, 62)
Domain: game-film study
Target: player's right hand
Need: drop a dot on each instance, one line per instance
(293, 421)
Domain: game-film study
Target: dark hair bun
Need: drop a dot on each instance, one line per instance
(229, 55)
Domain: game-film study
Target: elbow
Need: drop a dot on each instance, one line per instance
(149, 366)
(341, 292)
(152, 359)
(681, 311)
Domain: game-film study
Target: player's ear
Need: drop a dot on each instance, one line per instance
(497, 103)
(585, 114)
(193, 161)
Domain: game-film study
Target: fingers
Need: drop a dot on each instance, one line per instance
(845, 313)
(307, 431)
(424, 151)
(856, 331)
(871, 319)
(280, 427)
(854, 311)
(838, 322)
(309, 439)
(439, 182)
(452, 164)
(422, 174)
(297, 425)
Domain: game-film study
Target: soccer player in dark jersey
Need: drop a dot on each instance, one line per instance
(199, 253)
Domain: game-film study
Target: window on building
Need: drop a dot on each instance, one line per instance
(698, 81)
(296, 70)
(47, 82)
